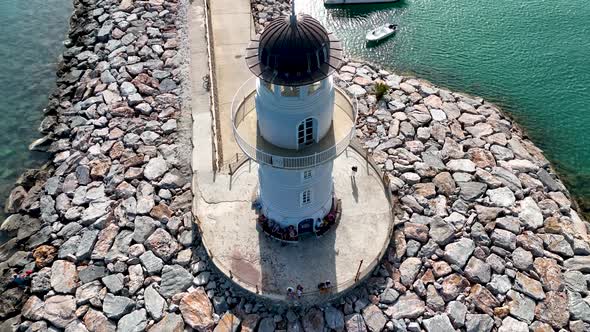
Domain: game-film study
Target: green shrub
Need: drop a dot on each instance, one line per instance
(380, 89)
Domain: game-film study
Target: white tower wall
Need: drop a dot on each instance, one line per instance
(279, 115)
(281, 193)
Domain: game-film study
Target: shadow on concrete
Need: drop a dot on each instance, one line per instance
(308, 263)
(355, 189)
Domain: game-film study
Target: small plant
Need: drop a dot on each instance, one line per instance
(380, 89)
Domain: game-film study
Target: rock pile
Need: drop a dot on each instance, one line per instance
(485, 240)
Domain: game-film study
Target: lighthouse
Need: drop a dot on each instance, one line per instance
(293, 120)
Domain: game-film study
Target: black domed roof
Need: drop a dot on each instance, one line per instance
(294, 51)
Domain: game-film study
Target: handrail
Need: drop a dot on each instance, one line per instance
(309, 296)
(243, 104)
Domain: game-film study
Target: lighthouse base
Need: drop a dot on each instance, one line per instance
(260, 264)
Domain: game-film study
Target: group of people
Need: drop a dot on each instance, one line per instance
(323, 288)
(295, 293)
(275, 230)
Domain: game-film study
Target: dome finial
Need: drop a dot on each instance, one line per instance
(293, 15)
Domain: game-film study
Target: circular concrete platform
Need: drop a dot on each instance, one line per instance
(262, 265)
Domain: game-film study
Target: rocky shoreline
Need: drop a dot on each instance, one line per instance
(485, 240)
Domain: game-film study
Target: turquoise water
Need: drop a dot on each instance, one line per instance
(31, 35)
(530, 57)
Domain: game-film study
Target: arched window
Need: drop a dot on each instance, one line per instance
(305, 132)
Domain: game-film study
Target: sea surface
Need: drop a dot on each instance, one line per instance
(31, 35)
(531, 57)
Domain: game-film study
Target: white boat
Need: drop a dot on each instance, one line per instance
(381, 32)
(355, 2)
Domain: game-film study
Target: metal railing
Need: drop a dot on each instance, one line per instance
(311, 297)
(244, 103)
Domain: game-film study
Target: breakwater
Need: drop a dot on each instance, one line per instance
(485, 237)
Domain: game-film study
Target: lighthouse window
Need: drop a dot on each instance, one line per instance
(307, 174)
(313, 88)
(305, 132)
(306, 197)
(289, 91)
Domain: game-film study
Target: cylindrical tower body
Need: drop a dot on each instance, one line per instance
(296, 138)
(284, 111)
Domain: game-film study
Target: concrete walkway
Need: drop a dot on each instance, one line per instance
(267, 267)
(231, 30)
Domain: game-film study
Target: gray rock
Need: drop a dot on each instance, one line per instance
(530, 214)
(500, 284)
(152, 263)
(472, 190)
(502, 197)
(91, 273)
(504, 239)
(579, 307)
(441, 232)
(114, 282)
(334, 318)
(438, 323)
(521, 306)
(69, 248)
(509, 223)
(388, 296)
(457, 311)
(88, 292)
(522, 259)
(355, 323)
(135, 278)
(267, 325)
(133, 322)
(459, 252)
(408, 305)
(144, 227)
(374, 318)
(114, 307)
(578, 263)
(120, 246)
(127, 89)
(409, 269)
(202, 278)
(478, 271)
(175, 279)
(478, 323)
(155, 168)
(575, 281)
(510, 324)
(461, 165)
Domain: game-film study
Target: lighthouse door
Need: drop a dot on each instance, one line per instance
(305, 132)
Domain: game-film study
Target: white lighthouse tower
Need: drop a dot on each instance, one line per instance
(293, 121)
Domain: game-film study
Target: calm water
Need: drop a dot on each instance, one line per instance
(530, 57)
(31, 35)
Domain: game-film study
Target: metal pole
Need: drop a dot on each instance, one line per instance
(367, 160)
(358, 271)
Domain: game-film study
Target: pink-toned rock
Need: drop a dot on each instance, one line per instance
(104, 241)
(553, 310)
(416, 232)
(452, 286)
(483, 299)
(482, 158)
(64, 277)
(550, 273)
(162, 244)
(60, 310)
(197, 310)
(96, 321)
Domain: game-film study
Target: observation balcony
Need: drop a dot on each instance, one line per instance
(245, 128)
